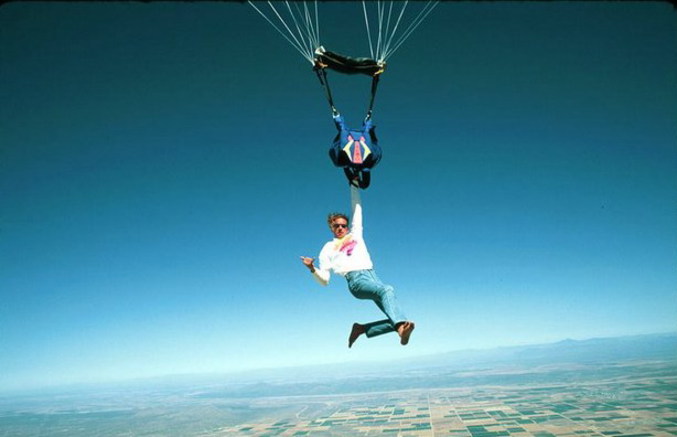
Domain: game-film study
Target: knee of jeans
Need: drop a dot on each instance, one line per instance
(388, 290)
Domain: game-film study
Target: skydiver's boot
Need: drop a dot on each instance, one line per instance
(365, 178)
(351, 175)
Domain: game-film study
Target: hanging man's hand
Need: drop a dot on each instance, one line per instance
(308, 262)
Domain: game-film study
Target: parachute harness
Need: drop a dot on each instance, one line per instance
(374, 85)
(322, 75)
(320, 70)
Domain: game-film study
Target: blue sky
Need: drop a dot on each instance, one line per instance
(164, 165)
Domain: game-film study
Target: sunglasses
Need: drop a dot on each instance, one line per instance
(339, 225)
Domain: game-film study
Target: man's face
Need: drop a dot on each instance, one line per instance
(339, 227)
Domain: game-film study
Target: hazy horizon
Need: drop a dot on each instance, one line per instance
(337, 370)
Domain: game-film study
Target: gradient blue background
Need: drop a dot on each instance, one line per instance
(164, 165)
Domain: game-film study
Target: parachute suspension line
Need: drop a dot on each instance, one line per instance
(310, 28)
(366, 23)
(313, 33)
(389, 22)
(385, 35)
(423, 14)
(301, 28)
(384, 30)
(302, 16)
(300, 34)
(392, 34)
(379, 16)
(291, 37)
(298, 46)
(387, 30)
(317, 26)
(308, 52)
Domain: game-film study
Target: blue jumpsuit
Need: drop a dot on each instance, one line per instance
(355, 150)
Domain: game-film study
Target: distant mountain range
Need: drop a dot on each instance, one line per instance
(564, 362)
(636, 347)
(597, 350)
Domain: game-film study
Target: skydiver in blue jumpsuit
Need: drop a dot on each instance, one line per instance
(355, 150)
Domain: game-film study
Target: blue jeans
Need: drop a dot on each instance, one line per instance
(364, 284)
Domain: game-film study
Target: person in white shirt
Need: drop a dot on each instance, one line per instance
(347, 255)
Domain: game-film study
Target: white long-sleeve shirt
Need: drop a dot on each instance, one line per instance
(347, 254)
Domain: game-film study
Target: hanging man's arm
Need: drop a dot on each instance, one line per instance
(356, 205)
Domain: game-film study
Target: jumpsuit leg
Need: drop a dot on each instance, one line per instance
(364, 284)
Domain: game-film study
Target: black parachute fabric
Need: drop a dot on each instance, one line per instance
(347, 64)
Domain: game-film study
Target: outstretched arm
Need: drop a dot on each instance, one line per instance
(356, 204)
(321, 276)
